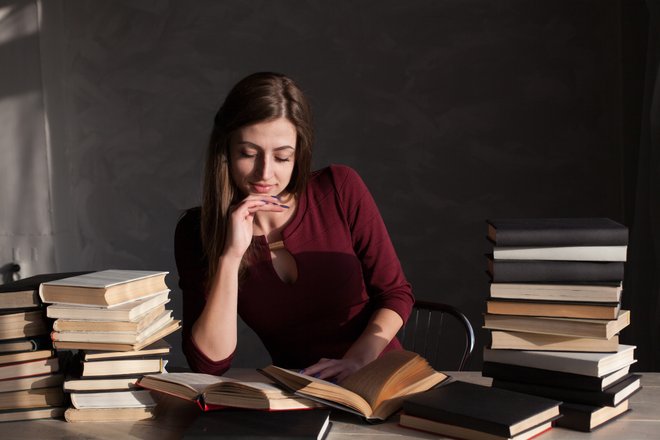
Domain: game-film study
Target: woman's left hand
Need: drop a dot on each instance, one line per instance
(334, 370)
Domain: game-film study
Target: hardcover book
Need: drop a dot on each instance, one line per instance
(29, 368)
(557, 232)
(561, 253)
(21, 324)
(73, 415)
(24, 293)
(455, 431)
(503, 340)
(31, 382)
(537, 271)
(15, 415)
(485, 409)
(554, 309)
(128, 312)
(606, 292)
(40, 397)
(586, 418)
(117, 399)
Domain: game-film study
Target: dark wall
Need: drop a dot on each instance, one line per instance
(453, 111)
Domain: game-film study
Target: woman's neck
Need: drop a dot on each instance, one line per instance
(271, 224)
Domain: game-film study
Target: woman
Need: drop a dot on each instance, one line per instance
(303, 257)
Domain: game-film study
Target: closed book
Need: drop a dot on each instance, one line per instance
(532, 271)
(122, 367)
(52, 396)
(29, 368)
(20, 324)
(504, 340)
(587, 364)
(454, 431)
(12, 358)
(516, 373)
(31, 383)
(574, 231)
(144, 321)
(561, 253)
(160, 347)
(586, 418)
(24, 293)
(115, 337)
(103, 288)
(35, 343)
(127, 312)
(249, 424)
(553, 309)
(73, 415)
(577, 327)
(610, 396)
(15, 415)
(607, 292)
(113, 399)
(490, 410)
(108, 383)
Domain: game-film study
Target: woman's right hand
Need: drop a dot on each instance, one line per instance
(241, 222)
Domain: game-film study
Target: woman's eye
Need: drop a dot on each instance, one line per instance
(282, 159)
(247, 154)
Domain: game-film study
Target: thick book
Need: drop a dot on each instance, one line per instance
(610, 396)
(374, 392)
(586, 418)
(108, 383)
(22, 324)
(481, 408)
(211, 392)
(73, 415)
(112, 367)
(576, 327)
(24, 293)
(12, 358)
(141, 323)
(609, 292)
(52, 396)
(505, 340)
(160, 347)
(245, 425)
(127, 312)
(587, 364)
(539, 376)
(561, 253)
(31, 383)
(103, 346)
(114, 399)
(29, 368)
(116, 337)
(35, 343)
(557, 232)
(16, 415)
(104, 288)
(455, 431)
(538, 271)
(553, 309)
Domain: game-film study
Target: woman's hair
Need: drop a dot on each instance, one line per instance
(256, 98)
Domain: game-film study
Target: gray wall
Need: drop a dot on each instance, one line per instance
(453, 111)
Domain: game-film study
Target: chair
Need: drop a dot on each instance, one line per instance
(427, 331)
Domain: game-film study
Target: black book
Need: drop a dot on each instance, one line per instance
(253, 424)
(557, 232)
(477, 407)
(538, 376)
(24, 293)
(537, 271)
(610, 396)
(587, 417)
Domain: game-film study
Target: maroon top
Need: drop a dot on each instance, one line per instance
(347, 268)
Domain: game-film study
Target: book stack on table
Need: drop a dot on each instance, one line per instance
(115, 320)
(554, 315)
(30, 379)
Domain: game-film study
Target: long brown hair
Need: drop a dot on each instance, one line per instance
(256, 98)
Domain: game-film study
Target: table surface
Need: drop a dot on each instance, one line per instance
(175, 415)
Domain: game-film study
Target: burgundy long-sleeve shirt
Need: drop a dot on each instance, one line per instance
(347, 269)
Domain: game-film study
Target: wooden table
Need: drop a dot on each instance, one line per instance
(642, 422)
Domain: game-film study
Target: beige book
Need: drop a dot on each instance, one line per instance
(113, 399)
(52, 396)
(559, 310)
(23, 324)
(32, 414)
(102, 384)
(375, 392)
(160, 347)
(128, 312)
(29, 368)
(25, 356)
(557, 292)
(66, 345)
(455, 431)
(537, 341)
(31, 382)
(116, 337)
(122, 367)
(104, 288)
(561, 253)
(143, 321)
(74, 415)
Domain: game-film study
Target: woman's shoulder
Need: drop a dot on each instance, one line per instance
(189, 224)
(338, 176)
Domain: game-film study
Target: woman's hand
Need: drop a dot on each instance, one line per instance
(334, 370)
(241, 222)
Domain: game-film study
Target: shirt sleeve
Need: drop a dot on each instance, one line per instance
(191, 265)
(385, 281)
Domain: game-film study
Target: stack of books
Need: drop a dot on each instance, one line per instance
(116, 321)
(30, 379)
(554, 315)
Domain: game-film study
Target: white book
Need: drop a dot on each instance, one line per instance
(113, 399)
(588, 364)
(130, 311)
(113, 337)
(561, 253)
(557, 292)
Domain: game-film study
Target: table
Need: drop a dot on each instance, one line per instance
(643, 422)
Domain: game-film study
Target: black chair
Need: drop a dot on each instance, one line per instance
(429, 334)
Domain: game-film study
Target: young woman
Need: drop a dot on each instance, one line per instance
(303, 257)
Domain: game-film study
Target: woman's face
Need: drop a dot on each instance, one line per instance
(263, 157)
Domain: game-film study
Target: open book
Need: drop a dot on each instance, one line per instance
(213, 392)
(374, 392)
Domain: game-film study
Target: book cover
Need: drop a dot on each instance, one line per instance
(455, 431)
(610, 396)
(539, 376)
(250, 424)
(74, 415)
(587, 364)
(557, 232)
(114, 399)
(537, 271)
(490, 410)
(586, 418)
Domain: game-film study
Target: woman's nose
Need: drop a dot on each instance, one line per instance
(264, 167)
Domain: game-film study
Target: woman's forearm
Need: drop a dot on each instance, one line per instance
(382, 328)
